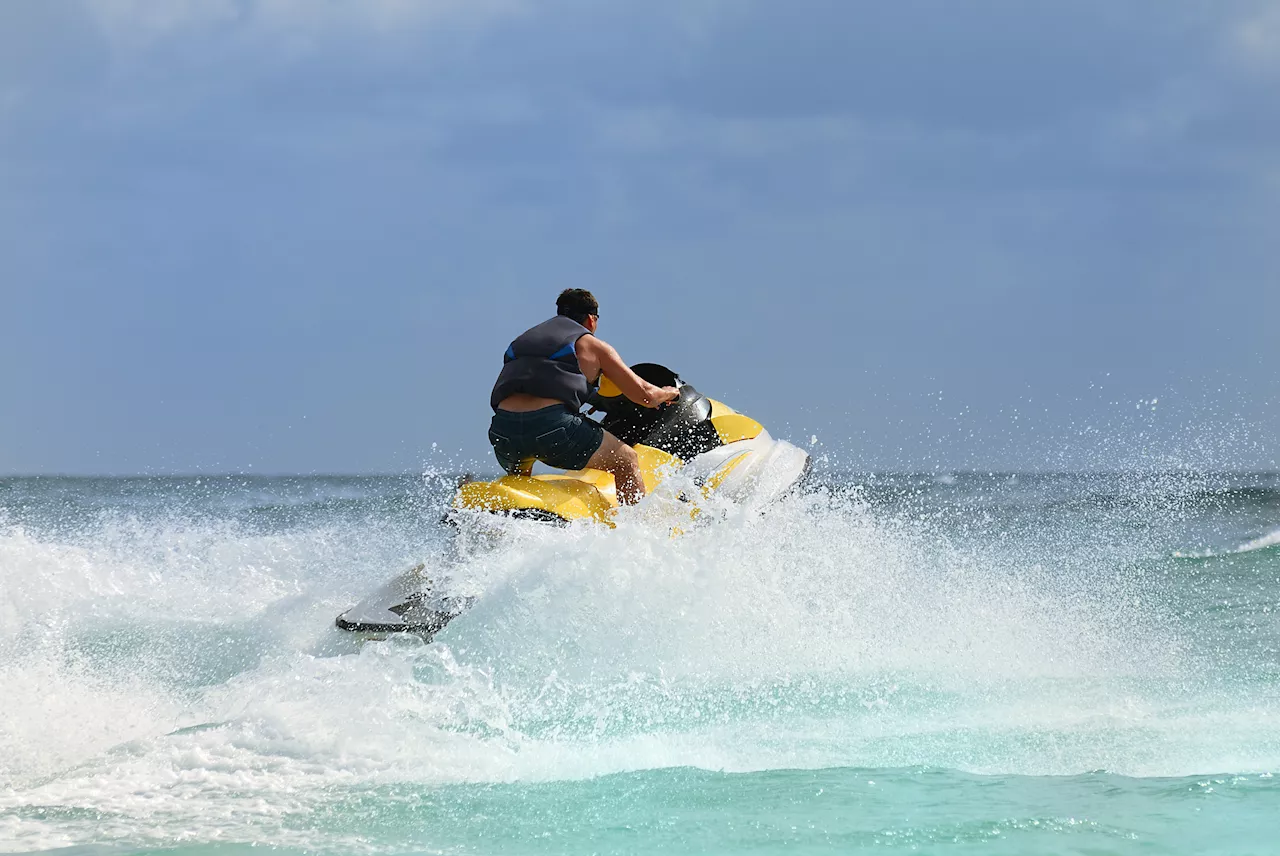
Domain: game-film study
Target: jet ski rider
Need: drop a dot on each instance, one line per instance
(542, 386)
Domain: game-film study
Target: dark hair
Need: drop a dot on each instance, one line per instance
(577, 303)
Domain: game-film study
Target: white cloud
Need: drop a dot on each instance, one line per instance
(10, 98)
(135, 24)
(1256, 40)
(664, 130)
(382, 16)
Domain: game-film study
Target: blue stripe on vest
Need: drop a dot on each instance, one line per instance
(563, 352)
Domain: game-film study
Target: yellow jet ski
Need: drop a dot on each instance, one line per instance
(717, 451)
(722, 449)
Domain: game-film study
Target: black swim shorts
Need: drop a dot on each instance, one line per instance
(554, 435)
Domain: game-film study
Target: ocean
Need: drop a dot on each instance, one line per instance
(930, 663)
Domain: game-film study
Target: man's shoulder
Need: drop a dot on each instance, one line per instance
(594, 344)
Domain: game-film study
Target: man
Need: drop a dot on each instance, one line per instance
(548, 372)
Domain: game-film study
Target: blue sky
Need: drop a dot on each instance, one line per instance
(288, 236)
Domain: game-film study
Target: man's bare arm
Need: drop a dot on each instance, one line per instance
(634, 387)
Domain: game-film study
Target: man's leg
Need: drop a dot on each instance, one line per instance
(615, 456)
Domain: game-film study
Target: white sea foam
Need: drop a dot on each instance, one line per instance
(1271, 539)
(171, 676)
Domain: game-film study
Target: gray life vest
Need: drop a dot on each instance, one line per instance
(543, 361)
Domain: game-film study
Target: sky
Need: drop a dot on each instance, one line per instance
(295, 236)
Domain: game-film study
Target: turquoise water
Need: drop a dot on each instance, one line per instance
(972, 663)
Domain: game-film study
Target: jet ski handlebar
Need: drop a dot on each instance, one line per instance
(682, 426)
